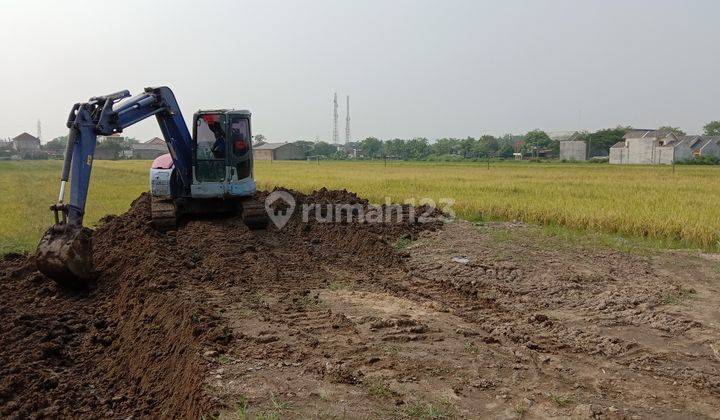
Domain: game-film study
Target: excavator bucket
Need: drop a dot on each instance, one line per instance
(65, 255)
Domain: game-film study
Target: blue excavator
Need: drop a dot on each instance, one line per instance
(208, 172)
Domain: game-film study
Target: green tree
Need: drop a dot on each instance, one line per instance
(418, 148)
(446, 146)
(259, 138)
(487, 146)
(323, 149)
(675, 130)
(712, 128)
(57, 143)
(537, 140)
(506, 145)
(305, 146)
(600, 142)
(371, 147)
(114, 145)
(467, 147)
(396, 148)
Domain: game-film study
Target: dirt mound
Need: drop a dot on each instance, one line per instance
(133, 344)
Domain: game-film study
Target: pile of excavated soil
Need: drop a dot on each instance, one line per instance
(137, 342)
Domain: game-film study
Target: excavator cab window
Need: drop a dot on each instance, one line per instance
(210, 147)
(240, 145)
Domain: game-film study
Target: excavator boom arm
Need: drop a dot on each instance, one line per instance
(65, 250)
(110, 114)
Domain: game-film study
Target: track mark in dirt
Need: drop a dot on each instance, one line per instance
(592, 332)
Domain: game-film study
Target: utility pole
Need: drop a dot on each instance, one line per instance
(39, 130)
(335, 120)
(347, 121)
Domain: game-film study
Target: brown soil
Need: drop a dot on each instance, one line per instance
(333, 319)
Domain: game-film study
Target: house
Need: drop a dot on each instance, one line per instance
(150, 149)
(573, 148)
(562, 135)
(704, 145)
(662, 147)
(26, 146)
(26, 143)
(278, 151)
(650, 146)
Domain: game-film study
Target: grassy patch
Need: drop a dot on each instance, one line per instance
(241, 409)
(624, 201)
(680, 297)
(430, 410)
(403, 243)
(273, 410)
(339, 285)
(471, 348)
(308, 300)
(257, 298)
(391, 349)
(378, 388)
(562, 400)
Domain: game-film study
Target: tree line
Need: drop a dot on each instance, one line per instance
(482, 147)
(533, 143)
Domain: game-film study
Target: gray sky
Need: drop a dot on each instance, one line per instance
(412, 68)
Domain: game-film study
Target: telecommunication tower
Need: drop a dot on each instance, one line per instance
(335, 120)
(347, 121)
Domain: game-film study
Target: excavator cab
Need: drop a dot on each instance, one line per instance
(222, 146)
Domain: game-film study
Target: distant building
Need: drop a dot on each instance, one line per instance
(653, 147)
(563, 135)
(278, 151)
(704, 145)
(573, 148)
(150, 149)
(26, 143)
(26, 146)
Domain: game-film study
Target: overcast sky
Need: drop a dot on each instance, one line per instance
(412, 68)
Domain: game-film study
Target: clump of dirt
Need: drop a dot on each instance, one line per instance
(140, 340)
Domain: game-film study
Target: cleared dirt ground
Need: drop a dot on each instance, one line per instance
(347, 320)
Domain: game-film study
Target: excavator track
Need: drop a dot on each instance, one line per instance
(163, 214)
(253, 214)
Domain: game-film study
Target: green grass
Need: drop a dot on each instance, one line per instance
(430, 410)
(403, 243)
(28, 188)
(681, 208)
(681, 296)
(378, 388)
(562, 400)
(471, 348)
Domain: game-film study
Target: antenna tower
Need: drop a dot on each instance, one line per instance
(335, 120)
(347, 121)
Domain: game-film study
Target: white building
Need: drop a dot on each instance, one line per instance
(651, 147)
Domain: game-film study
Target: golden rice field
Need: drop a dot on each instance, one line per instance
(644, 201)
